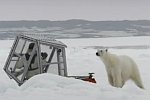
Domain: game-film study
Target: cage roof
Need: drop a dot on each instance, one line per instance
(43, 38)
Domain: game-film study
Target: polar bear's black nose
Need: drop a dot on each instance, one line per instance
(97, 54)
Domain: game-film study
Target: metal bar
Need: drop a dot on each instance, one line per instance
(10, 57)
(79, 77)
(50, 59)
(20, 52)
(11, 53)
(39, 56)
(23, 46)
(55, 62)
(14, 60)
(27, 64)
(16, 54)
(64, 62)
(44, 42)
(58, 60)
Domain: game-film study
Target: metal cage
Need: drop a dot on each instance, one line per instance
(33, 54)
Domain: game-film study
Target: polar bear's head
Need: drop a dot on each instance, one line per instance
(101, 53)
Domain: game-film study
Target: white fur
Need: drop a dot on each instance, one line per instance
(120, 69)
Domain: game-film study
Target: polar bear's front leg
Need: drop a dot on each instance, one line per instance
(117, 79)
(110, 79)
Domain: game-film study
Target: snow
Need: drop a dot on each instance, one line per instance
(81, 60)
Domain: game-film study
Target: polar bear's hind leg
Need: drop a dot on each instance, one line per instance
(138, 82)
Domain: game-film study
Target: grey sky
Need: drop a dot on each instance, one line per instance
(74, 9)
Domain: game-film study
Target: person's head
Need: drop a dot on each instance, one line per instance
(31, 46)
(44, 55)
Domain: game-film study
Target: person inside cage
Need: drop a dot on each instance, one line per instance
(44, 62)
(33, 68)
(22, 61)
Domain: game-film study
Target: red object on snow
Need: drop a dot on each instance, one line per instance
(90, 78)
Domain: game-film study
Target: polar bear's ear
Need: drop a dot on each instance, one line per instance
(106, 50)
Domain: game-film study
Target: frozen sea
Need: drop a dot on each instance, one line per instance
(81, 60)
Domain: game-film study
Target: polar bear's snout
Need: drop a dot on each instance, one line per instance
(97, 54)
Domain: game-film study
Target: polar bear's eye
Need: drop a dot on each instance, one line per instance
(101, 51)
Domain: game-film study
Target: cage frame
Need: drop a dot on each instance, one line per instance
(38, 41)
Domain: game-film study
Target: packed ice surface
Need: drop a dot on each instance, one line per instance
(81, 60)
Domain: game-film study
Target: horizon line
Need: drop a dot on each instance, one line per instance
(80, 19)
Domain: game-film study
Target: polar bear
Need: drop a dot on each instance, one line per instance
(120, 69)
